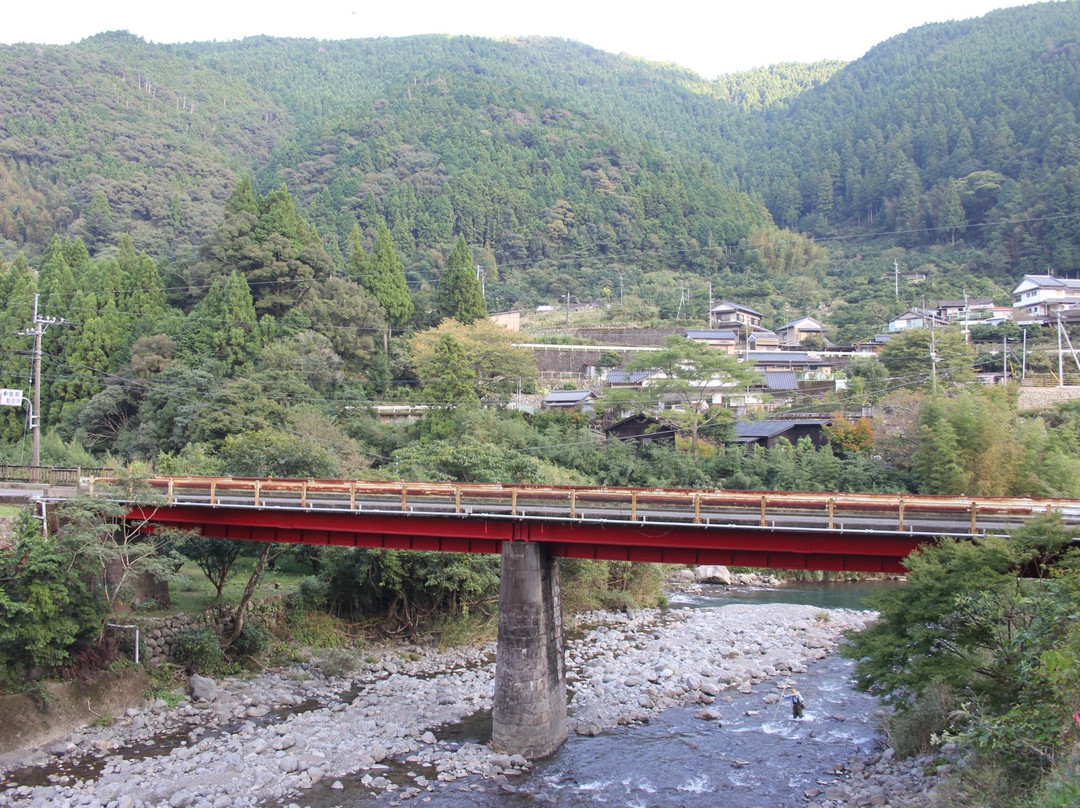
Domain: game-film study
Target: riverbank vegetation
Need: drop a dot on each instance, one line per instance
(980, 647)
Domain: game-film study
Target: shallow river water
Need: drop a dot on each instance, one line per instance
(757, 755)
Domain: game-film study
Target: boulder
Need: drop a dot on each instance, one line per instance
(202, 687)
(712, 574)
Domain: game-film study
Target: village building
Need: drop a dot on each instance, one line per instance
(796, 331)
(569, 400)
(642, 429)
(724, 339)
(726, 313)
(916, 317)
(1044, 297)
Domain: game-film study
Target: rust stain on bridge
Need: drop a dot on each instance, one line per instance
(779, 530)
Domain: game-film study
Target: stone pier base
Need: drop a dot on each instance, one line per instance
(529, 713)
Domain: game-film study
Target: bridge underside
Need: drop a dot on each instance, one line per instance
(730, 545)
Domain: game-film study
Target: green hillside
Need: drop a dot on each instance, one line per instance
(961, 130)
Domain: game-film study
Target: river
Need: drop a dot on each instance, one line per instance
(758, 755)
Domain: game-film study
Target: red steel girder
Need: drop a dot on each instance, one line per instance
(781, 548)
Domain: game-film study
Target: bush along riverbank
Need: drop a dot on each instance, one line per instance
(273, 737)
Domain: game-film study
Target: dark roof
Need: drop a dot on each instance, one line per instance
(711, 333)
(663, 427)
(627, 377)
(752, 430)
(781, 380)
(788, 358)
(568, 396)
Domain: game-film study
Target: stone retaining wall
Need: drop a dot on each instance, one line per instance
(1042, 398)
(158, 635)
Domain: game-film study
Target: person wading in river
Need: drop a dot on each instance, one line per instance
(797, 704)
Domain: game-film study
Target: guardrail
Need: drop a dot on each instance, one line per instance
(829, 511)
(47, 475)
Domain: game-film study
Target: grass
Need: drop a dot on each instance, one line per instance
(11, 510)
(192, 592)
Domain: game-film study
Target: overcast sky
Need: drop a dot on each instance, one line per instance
(711, 38)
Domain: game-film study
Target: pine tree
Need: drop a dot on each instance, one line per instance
(459, 295)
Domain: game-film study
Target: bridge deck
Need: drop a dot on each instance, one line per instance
(785, 530)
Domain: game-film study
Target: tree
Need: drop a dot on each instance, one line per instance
(384, 277)
(498, 368)
(969, 646)
(223, 326)
(929, 356)
(120, 549)
(46, 606)
(688, 378)
(455, 384)
(215, 557)
(459, 295)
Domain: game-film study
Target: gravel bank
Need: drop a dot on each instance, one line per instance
(243, 742)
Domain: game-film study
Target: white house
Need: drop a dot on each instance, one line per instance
(1045, 296)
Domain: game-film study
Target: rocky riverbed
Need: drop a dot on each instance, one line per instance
(278, 737)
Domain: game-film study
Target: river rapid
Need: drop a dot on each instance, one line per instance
(681, 707)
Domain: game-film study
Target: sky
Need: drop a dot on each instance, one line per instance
(710, 37)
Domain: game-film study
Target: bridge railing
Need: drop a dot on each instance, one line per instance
(46, 475)
(826, 511)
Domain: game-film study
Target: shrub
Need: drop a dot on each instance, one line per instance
(199, 650)
(253, 640)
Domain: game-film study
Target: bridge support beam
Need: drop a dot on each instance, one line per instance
(529, 712)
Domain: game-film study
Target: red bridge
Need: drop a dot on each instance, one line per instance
(532, 526)
(780, 530)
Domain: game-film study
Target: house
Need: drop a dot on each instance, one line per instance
(762, 341)
(916, 317)
(1043, 296)
(794, 332)
(642, 429)
(569, 400)
(976, 308)
(617, 377)
(723, 338)
(806, 364)
(768, 433)
(781, 386)
(726, 313)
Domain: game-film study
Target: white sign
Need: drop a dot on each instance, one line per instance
(11, 398)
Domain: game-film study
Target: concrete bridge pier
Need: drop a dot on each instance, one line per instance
(529, 712)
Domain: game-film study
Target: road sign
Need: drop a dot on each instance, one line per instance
(11, 398)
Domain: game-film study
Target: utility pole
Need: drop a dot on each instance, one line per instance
(933, 361)
(480, 279)
(1004, 359)
(40, 324)
(1061, 356)
(896, 278)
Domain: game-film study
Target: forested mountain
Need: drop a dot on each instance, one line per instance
(550, 155)
(954, 130)
(230, 229)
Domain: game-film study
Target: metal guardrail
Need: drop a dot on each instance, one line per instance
(824, 511)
